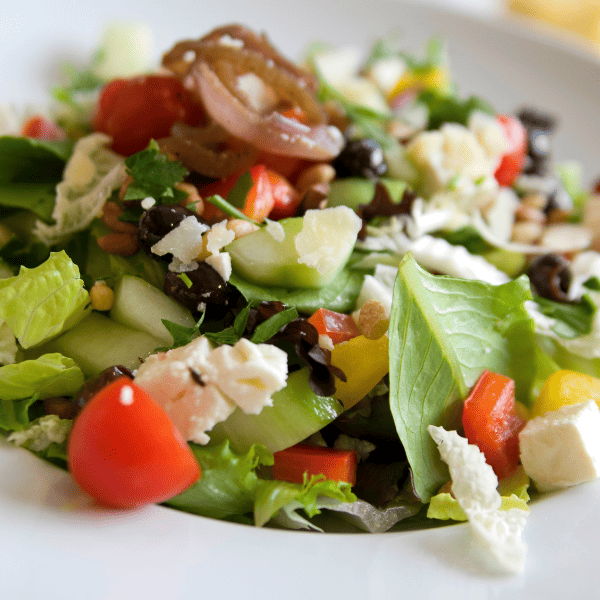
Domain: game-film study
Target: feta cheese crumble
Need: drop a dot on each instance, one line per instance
(200, 386)
(474, 483)
(561, 448)
(184, 242)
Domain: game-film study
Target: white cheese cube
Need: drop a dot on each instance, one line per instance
(183, 242)
(562, 448)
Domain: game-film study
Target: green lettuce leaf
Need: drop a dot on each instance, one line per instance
(273, 496)
(444, 333)
(339, 296)
(47, 376)
(39, 303)
(14, 414)
(228, 484)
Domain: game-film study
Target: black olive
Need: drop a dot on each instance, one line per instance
(159, 220)
(207, 290)
(93, 386)
(362, 157)
(550, 277)
(534, 119)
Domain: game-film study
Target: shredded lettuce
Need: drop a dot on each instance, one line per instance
(38, 304)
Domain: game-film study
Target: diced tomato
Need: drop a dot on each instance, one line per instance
(286, 198)
(288, 166)
(259, 201)
(40, 128)
(490, 421)
(292, 463)
(133, 111)
(339, 327)
(124, 451)
(513, 159)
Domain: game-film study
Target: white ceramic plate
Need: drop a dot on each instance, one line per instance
(54, 544)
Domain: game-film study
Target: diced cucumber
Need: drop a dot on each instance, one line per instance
(354, 191)
(142, 306)
(297, 413)
(322, 239)
(98, 342)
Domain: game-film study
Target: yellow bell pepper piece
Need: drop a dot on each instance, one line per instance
(364, 363)
(564, 388)
(437, 78)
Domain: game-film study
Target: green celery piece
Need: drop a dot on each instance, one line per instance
(228, 484)
(39, 303)
(48, 376)
(444, 333)
(339, 296)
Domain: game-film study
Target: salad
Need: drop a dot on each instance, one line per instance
(298, 295)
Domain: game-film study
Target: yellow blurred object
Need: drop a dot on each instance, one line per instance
(564, 388)
(364, 363)
(437, 78)
(581, 17)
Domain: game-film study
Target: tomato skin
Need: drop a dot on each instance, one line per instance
(513, 159)
(124, 451)
(338, 326)
(286, 199)
(40, 128)
(134, 111)
(491, 422)
(291, 464)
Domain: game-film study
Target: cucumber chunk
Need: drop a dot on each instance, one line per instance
(297, 413)
(98, 342)
(142, 306)
(354, 191)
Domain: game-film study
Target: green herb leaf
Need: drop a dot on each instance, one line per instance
(186, 280)
(182, 335)
(232, 334)
(572, 320)
(239, 193)
(449, 109)
(228, 209)
(267, 329)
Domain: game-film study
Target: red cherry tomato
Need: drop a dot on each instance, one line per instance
(286, 198)
(513, 159)
(490, 421)
(133, 111)
(125, 452)
(339, 327)
(40, 128)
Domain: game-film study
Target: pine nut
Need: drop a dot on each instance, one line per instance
(101, 296)
(123, 244)
(241, 228)
(315, 196)
(110, 217)
(315, 174)
(536, 200)
(529, 214)
(526, 232)
(193, 197)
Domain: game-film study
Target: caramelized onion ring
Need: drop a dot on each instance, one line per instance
(195, 147)
(212, 75)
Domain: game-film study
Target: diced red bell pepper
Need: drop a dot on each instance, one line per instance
(286, 198)
(490, 421)
(292, 463)
(339, 327)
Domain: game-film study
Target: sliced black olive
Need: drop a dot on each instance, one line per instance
(159, 220)
(93, 386)
(362, 157)
(550, 276)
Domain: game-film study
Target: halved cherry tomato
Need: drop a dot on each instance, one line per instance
(292, 463)
(490, 421)
(513, 159)
(286, 198)
(339, 327)
(40, 128)
(124, 451)
(133, 111)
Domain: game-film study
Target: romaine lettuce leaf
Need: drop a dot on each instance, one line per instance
(8, 345)
(39, 303)
(47, 376)
(444, 333)
(228, 484)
